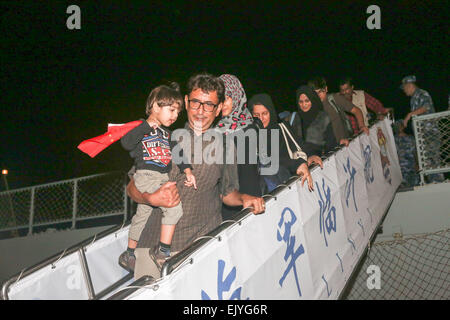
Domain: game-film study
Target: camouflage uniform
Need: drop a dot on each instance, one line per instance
(431, 149)
(406, 150)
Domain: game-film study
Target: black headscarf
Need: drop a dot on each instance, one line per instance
(265, 100)
(316, 107)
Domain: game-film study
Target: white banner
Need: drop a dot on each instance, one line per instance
(102, 259)
(64, 279)
(306, 244)
(61, 280)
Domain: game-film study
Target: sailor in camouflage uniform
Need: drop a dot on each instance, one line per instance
(406, 150)
(421, 104)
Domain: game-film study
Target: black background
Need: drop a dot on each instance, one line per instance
(60, 86)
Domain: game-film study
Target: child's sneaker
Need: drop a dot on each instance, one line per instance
(127, 261)
(159, 257)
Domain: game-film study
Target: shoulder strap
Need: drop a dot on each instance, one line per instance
(341, 114)
(283, 129)
(292, 118)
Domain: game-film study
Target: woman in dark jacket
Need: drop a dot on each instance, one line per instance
(313, 125)
(237, 119)
(261, 106)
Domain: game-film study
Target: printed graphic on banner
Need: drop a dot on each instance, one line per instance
(367, 158)
(385, 163)
(373, 177)
(391, 150)
(327, 215)
(288, 218)
(325, 231)
(224, 285)
(278, 234)
(352, 176)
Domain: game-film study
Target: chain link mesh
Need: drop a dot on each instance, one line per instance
(104, 195)
(91, 196)
(414, 268)
(15, 208)
(433, 141)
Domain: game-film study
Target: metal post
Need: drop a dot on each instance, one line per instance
(14, 232)
(418, 147)
(125, 202)
(75, 203)
(30, 220)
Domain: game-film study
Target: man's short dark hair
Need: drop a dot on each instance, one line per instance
(207, 83)
(346, 80)
(317, 83)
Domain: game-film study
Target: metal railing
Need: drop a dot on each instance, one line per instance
(432, 134)
(174, 262)
(80, 249)
(68, 201)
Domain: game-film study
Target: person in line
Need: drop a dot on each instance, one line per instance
(336, 106)
(364, 101)
(217, 182)
(236, 120)
(262, 107)
(150, 146)
(314, 125)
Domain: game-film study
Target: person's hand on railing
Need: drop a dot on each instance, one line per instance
(365, 130)
(344, 142)
(257, 203)
(315, 159)
(303, 172)
(382, 115)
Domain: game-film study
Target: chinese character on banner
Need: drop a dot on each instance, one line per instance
(327, 217)
(350, 183)
(224, 285)
(288, 218)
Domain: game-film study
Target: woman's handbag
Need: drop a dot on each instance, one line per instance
(292, 154)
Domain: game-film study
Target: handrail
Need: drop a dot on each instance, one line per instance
(53, 259)
(61, 182)
(170, 264)
(73, 206)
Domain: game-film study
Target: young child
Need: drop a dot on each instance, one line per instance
(150, 146)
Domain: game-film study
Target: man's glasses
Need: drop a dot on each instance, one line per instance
(207, 106)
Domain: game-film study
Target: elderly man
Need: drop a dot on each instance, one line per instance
(421, 103)
(216, 182)
(362, 100)
(336, 106)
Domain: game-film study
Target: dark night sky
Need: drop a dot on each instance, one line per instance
(60, 86)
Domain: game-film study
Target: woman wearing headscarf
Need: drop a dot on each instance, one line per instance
(314, 127)
(237, 119)
(262, 107)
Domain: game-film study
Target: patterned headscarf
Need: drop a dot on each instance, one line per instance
(240, 117)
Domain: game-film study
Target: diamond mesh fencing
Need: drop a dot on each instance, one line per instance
(413, 268)
(432, 134)
(15, 208)
(69, 200)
